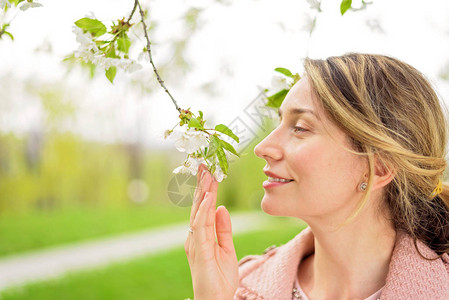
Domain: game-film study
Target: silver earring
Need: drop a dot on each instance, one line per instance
(363, 186)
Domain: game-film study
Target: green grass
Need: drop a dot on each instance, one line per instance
(30, 231)
(162, 276)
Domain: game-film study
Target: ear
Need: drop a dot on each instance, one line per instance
(383, 173)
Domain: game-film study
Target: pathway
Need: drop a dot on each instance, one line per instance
(54, 262)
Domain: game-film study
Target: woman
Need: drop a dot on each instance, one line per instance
(359, 155)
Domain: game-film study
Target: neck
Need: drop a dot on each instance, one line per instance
(350, 262)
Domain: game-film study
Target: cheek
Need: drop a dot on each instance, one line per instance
(324, 169)
(308, 161)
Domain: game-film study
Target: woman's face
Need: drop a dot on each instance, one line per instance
(309, 149)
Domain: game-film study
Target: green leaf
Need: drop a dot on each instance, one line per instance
(111, 52)
(123, 44)
(212, 149)
(9, 34)
(110, 73)
(195, 123)
(212, 169)
(222, 159)
(285, 72)
(296, 78)
(228, 147)
(345, 5)
(277, 99)
(91, 25)
(201, 114)
(224, 129)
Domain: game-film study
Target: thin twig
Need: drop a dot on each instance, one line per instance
(132, 12)
(159, 79)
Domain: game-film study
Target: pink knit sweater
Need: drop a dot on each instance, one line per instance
(271, 276)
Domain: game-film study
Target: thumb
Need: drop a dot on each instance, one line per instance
(223, 229)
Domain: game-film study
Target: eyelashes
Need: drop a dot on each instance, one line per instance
(296, 129)
(299, 129)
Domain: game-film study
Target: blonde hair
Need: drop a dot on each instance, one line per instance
(390, 111)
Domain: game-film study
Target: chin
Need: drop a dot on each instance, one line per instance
(278, 207)
(271, 207)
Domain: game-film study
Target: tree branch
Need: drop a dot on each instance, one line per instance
(132, 12)
(159, 79)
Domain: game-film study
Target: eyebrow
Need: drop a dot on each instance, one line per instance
(298, 111)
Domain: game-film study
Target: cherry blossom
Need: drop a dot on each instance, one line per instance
(143, 56)
(279, 83)
(189, 141)
(89, 52)
(84, 39)
(190, 166)
(182, 170)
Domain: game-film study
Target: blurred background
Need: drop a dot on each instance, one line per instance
(83, 160)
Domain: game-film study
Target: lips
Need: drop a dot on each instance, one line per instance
(275, 180)
(274, 175)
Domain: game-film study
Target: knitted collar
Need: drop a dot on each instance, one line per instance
(409, 275)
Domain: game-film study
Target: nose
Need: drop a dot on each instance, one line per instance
(270, 147)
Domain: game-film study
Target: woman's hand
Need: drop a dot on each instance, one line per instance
(213, 265)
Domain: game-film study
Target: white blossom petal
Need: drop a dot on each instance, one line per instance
(143, 56)
(166, 134)
(279, 83)
(128, 65)
(86, 56)
(103, 61)
(91, 15)
(181, 170)
(190, 141)
(218, 174)
(309, 23)
(190, 166)
(4, 3)
(199, 140)
(194, 163)
(133, 67)
(182, 143)
(314, 4)
(85, 40)
(176, 134)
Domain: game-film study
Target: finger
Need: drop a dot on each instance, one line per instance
(203, 226)
(196, 196)
(201, 168)
(210, 214)
(188, 242)
(199, 174)
(214, 185)
(223, 227)
(187, 247)
(202, 189)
